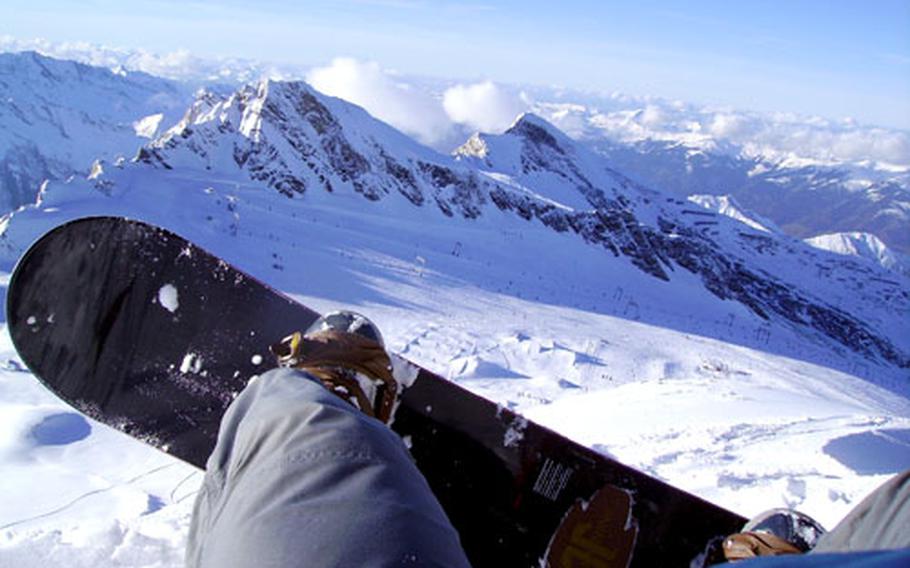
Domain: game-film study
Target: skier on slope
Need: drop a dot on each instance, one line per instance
(306, 472)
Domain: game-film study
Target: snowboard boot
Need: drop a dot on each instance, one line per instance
(345, 351)
(774, 532)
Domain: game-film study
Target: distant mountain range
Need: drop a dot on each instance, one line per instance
(62, 115)
(57, 117)
(284, 140)
(805, 197)
(863, 245)
(804, 201)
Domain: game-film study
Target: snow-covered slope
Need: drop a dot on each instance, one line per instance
(863, 245)
(57, 117)
(300, 143)
(663, 235)
(727, 205)
(684, 151)
(739, 364)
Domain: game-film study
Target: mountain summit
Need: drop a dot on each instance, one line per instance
(297, 141)
(290, 139)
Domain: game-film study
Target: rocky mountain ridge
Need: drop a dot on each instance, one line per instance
(863, 245)
(304, 145)
(803, 200)
(57, 117)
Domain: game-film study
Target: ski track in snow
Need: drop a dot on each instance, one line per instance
(746, 414)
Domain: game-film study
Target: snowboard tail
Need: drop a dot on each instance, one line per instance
(142, 330)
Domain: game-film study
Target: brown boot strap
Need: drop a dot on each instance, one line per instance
(751, 544)
(331, 355)
(334, 378)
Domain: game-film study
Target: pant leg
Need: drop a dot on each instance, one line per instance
(298, 477)
(880, 521)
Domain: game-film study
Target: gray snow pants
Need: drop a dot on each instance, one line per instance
(880, 521)
(300, 478)
(875, 534)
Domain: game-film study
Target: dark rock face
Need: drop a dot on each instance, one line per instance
(22, 170)
(285, 136)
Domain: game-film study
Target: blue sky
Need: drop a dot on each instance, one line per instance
(833, 58)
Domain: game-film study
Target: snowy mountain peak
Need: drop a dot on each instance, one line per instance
(475, 147)
(298, 141)
(862, 245)
(727, 205)
(538, 131)
(530, 143)
(533, 153)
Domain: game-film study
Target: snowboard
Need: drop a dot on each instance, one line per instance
(140, 329)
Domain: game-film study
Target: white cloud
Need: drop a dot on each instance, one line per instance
(780, 136)
(653, 116)
(728, 125)
(483, 106)
(179, 65)
(441, 121)
(412, 111)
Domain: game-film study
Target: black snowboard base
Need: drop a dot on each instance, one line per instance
(142, 330)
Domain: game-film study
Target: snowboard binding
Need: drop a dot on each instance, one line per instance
(345, 351)
(773, 533)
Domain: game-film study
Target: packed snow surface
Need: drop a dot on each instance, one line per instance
(168, 298)
(687, 385)
(739, 414)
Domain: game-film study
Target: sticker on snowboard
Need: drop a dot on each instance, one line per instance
(599, 533)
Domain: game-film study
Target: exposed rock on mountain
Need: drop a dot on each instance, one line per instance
(803, 200)
(304, 145)
(57, 117)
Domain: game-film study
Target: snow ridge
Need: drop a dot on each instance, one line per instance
(862, 245)
(59, 116)
(291, 138)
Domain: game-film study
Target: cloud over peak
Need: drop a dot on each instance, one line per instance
(437, 120)
(443, 113)
(366, 84)
(483, 106)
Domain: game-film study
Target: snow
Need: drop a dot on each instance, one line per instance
(191, 362)
(167, 297)
(727, 205)
(527, 326)
(749, 413)
(77, 493)
(148, 126)
(862, 245)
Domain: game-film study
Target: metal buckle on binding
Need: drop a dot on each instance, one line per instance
(288, 349)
